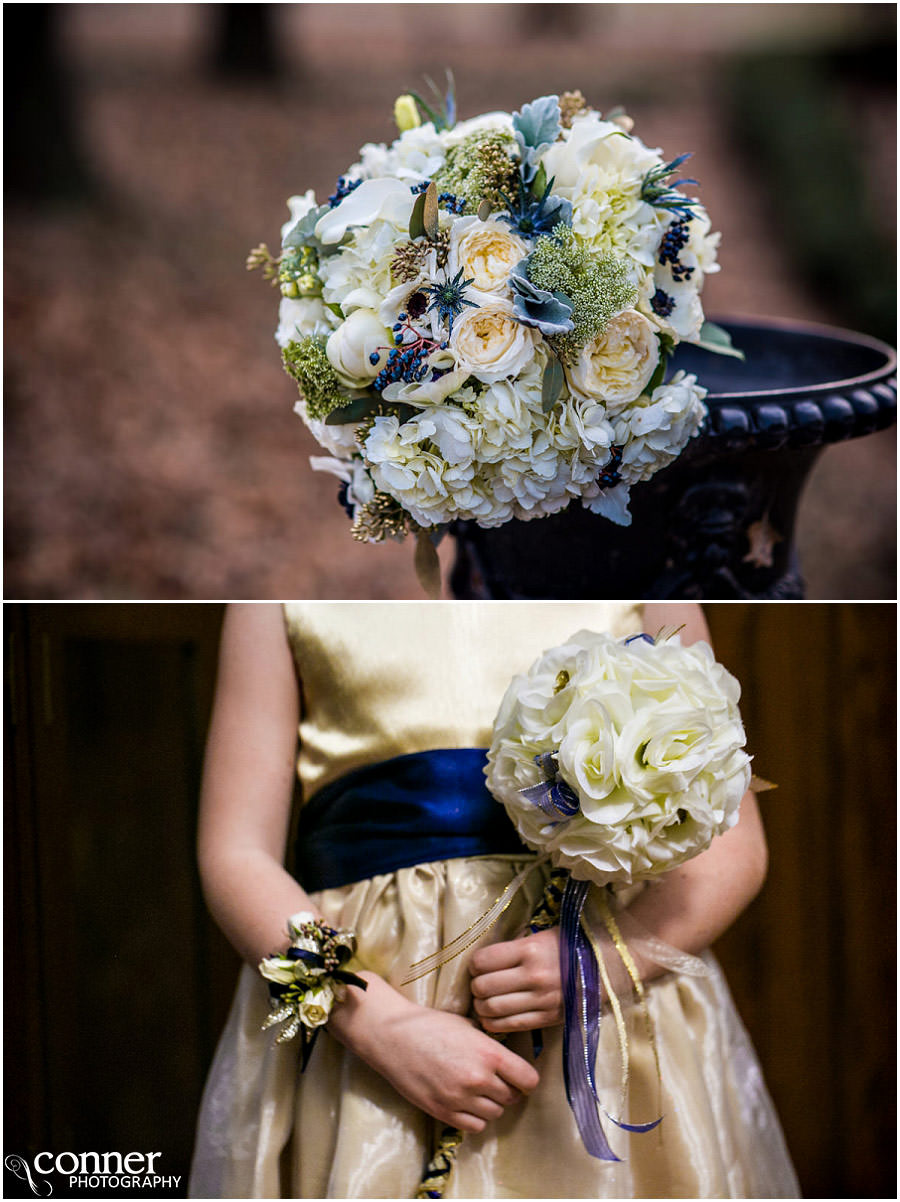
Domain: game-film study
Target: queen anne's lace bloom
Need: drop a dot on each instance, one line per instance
(426, 332)
(648, 739)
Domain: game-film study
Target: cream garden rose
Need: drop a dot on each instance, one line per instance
(617, 366)
(486, 251)
(488, 342)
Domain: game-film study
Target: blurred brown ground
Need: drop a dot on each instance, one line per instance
(150, 447)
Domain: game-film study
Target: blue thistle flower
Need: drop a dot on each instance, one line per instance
(448, 299)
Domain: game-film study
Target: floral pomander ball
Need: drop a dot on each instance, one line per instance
(620, 759)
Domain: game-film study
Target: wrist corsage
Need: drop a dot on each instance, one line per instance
(307, 979)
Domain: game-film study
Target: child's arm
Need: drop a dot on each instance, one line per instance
(438, 1061)
(516, 984)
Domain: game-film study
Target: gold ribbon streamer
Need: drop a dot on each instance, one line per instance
(625, 956)
(616, 1006)
(463, 941)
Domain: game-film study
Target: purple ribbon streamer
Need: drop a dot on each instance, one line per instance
(581, 1033)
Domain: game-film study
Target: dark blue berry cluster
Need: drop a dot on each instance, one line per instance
(610, 475)
(452, 203)
(674, 241)
(408, 359)
(344, 188)
(661, 303)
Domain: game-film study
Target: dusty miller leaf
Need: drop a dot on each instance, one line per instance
(714, 338)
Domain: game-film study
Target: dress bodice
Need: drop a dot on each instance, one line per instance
(382, 679)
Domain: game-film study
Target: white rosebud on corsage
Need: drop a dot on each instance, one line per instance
(315, 1008)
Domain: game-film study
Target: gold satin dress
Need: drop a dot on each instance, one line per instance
(385, 679)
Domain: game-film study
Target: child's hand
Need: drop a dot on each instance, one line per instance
(440, 1062)
(516, 985)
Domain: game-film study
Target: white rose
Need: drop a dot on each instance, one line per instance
(315, 1009)
(488, 342)
(587, 753)
(349, 347)
(486, 251)
(616, 367)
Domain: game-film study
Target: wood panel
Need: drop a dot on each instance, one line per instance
(115, 702)
(812, 962)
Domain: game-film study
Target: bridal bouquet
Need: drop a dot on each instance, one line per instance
(479, 319)
(620, 759)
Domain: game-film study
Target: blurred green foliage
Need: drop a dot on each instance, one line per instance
(795, 119)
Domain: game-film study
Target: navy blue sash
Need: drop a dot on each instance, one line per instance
(412, 809)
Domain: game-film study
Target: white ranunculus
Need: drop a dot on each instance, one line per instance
(486, 252)
(616, 367)
(350, 346)
(488, 342)
(302, 318)
(648, 736)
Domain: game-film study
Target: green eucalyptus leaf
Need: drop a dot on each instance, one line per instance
(430, 212)
(417, 218)
(552, 384)
(354, 411)
(484, 210)
(714, 338)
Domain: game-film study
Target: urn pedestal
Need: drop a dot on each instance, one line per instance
(717, 523)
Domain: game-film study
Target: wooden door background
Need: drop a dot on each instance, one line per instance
(117, 984)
